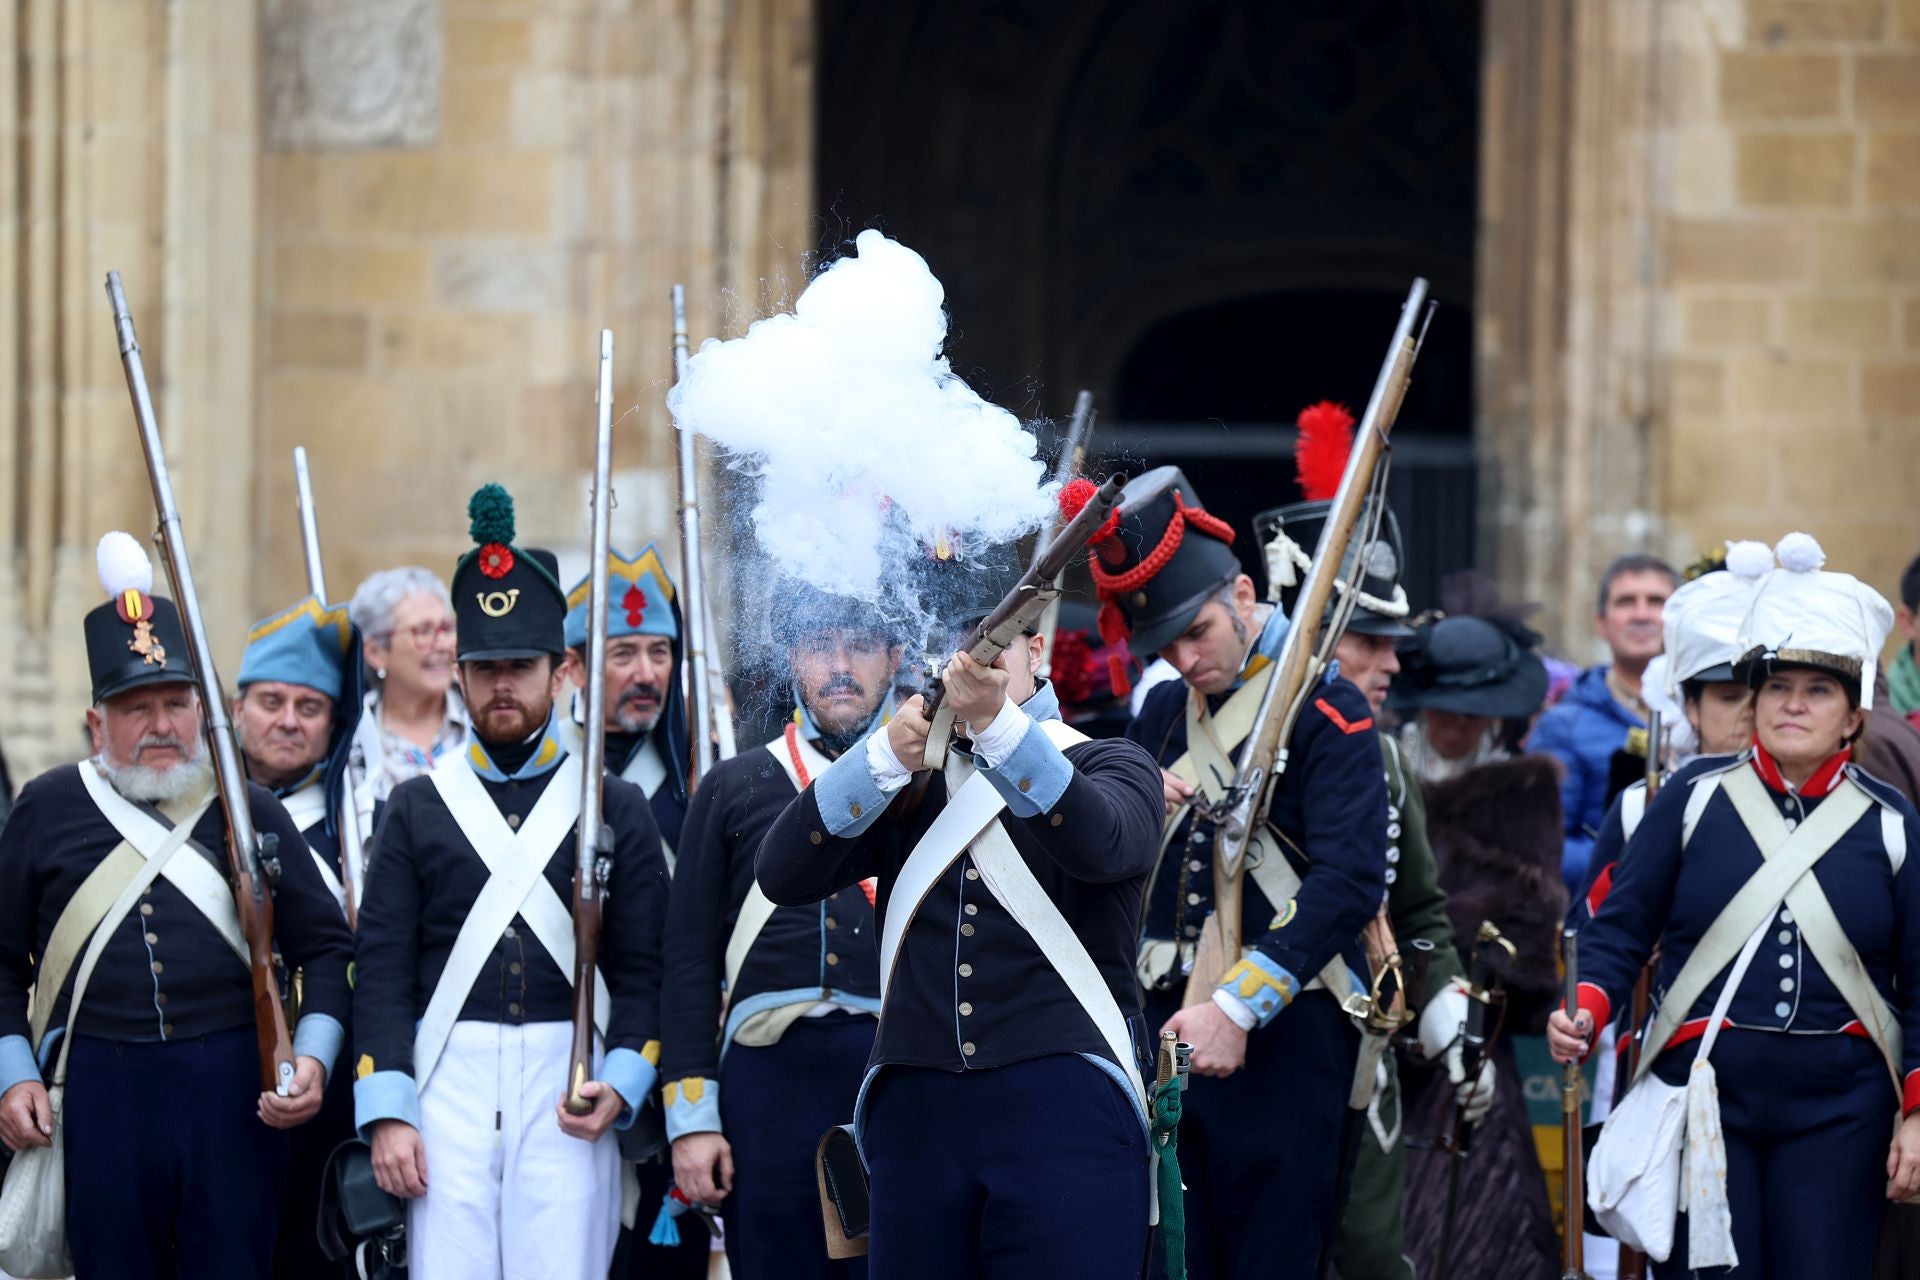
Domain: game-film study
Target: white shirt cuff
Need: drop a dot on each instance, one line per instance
(1239, 1010)
(883, 766)
(993, 744)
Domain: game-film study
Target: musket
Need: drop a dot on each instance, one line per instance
(693, 607)
(252, 857)
(1073, 456)
(1633, 1263)
(1305, 652)
(350, 851)
(1021, 608)
(593, 856)
(1574, 1184)
(1486, 1014)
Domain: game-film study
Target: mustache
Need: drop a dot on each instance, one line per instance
(162, 741)
(643, 693)
(842, 684)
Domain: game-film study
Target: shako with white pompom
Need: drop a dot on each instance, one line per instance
(1802, 615)
(135, 638)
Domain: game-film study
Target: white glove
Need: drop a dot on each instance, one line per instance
(1441, 1026)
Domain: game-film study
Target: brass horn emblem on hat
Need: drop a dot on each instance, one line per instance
(497, 604)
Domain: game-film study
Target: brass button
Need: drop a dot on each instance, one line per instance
(160, 997)
(1026, 785)
(832, 923)
(966, 1008)
(813, 837)
(146, 908)
(167, 1030)
(966, 930)
(854, 809)
(833, 958)
(513, 820)
(972, 910)
(147, 892)
(973, 873)
(967, 1048)
(1056, 820)
(157, 967)
(514, 967)
(966, 971)
(152, 938)
(514, 1009)
(1139, 599)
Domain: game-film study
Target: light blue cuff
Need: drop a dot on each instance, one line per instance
(850, 800)
(1033, 778)
(319, 1036)
(632, 1077)
(698, 1113)
(16, 1062)
(1262, 984)
(385, 1095)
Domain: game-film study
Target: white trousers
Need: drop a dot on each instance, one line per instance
(509, 1196)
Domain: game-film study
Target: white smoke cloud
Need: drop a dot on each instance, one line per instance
(866, 448)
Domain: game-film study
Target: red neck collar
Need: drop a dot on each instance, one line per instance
(1824, 779)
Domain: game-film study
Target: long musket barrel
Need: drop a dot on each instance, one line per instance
(1633, 1263)
(1264, 758)
(1073, 455)
(591, 851)
(1021, 608)
(251, 864)
(349, 817)
(693, 599)
(309, 525)
(1656, 732)
(1574, 1192)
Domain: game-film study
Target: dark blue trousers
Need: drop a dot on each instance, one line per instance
(1260, 1150)
(1011, 1173)
(638, 1259)
(775, 1102)
(170, 1173)
(296, 1255)
(1808, 1121)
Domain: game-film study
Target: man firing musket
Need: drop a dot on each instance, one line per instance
(1004, 1110)
(154, 996)
(464, 1007)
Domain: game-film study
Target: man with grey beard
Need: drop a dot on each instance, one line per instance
(174, 1157)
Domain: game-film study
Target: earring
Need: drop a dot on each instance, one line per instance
(380, 673)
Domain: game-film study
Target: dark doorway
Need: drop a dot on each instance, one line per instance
(1206, 212)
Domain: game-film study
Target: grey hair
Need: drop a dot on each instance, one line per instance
(374, 604)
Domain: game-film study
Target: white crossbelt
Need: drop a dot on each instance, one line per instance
(757, 909)
(91, 906)
(1788, 861)
(647, 771)
(969, 821)
(306, 807)
(516, 885)
(196, 877)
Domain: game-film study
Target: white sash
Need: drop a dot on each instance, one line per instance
(969, 822)
(196, 878)
(757, 909)
(1787, 861)
(516, 863)
(1825, 936)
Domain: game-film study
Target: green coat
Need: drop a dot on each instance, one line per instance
(1370, 1237)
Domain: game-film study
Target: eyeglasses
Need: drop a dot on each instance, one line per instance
(426, 634)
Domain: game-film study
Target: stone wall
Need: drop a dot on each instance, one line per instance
(1699, 314)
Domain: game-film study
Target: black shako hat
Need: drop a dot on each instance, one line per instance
(135, 638)
(507, 600)
(1155, 562)
(1289, 535)
(1471, 666)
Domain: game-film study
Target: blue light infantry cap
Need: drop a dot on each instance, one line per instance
(308, 644)
(640, 599)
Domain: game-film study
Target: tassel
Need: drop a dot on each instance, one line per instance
(1280, 568)
(666, 1230)
(1117, 673)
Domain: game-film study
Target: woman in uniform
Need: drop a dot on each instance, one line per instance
(1807, 1053)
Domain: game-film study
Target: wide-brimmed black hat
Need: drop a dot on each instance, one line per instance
(1470, 666)
(507, 600)
(1288, 536)
(1157, 560)
(135, 638)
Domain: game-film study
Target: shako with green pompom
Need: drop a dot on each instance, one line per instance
(507, 599)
